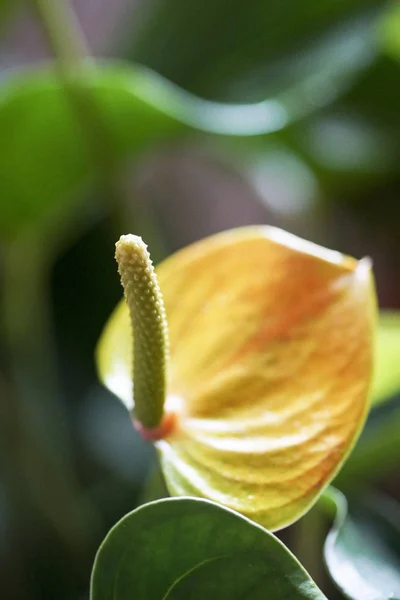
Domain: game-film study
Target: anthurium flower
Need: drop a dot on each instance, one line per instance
(269, 369)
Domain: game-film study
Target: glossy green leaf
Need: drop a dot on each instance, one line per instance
(387, 367)
(362, 552)
(184, 548)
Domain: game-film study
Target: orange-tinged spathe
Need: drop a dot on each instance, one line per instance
(271, 351)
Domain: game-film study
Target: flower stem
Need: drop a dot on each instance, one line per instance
(309, 536)
(149, 325)
(67, 42)
(63, 33)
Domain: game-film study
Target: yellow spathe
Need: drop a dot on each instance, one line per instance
(271, 351)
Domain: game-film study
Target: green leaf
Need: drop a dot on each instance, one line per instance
(46, 152)
(362, 552)
(377, 452)
(182, 548)
(46, 155)
(55, 138)
(387, 366)
(390, 30)
(247, 50)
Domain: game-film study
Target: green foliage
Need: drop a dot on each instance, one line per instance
(377, 452)
(387, 367)
(362, 552)
(54, 139)
(63, 136)
(186, 548)
(59, 136)
(245, 51)
(390, 30)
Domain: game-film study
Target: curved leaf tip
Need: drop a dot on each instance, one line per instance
(362, 552)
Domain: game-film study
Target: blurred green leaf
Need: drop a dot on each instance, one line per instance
(45, 156)
(362, 552)
(240, 51)
(377, 452)
(182, 548)
(390, 29)
(353, 144)
(387, 368)
(56, 137)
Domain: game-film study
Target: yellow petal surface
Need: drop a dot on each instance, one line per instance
(271, 360)
(387, 366)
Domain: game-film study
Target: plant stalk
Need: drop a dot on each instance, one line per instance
(308, 544)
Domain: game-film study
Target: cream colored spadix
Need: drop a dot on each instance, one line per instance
(148, 321)
(271, 351)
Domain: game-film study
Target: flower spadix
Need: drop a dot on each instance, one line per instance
(271, 351)
(147, 314)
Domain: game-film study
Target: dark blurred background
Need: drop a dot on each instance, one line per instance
(324, 165)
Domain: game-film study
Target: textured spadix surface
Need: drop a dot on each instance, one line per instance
(271, 344)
